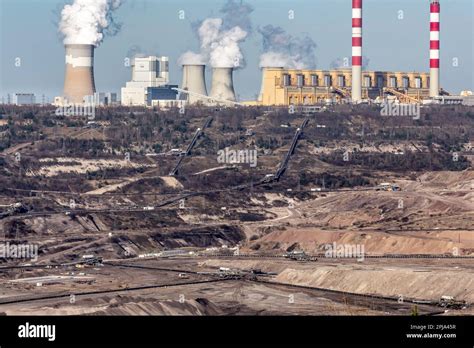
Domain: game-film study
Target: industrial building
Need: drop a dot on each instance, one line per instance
(466, 99)
(149, 85)
(306, 87)
(102, 99)
(146, 72)
(23, 99)
(163, 96)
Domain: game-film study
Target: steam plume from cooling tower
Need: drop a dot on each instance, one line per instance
(237, 15)
(221, 48)
(87, 21)
(284, 50)
(220, 38)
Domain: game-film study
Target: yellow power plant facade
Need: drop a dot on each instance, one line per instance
(309, 87)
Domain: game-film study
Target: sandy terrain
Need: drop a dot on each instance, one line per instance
(172, 182)
(81, 166)
(394, 281)
(424, 280)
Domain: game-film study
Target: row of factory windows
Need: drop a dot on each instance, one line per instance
(305, 100)
(341, 81)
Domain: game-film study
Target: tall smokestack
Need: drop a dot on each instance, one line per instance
(222, 84)
(434, 48)
(194, 81)
(79, 78)
(356, 51)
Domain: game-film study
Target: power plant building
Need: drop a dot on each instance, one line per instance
(299, 87)
(164, 96)
(102, 99)
(24, 99)
(150, 78)
(306, 87)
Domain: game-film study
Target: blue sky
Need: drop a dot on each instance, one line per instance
(28, 31)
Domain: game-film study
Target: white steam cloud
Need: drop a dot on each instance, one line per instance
(192, 58)
(220, 38)
(221, 48)
(87, 21)
(281, 60)
(284, 50)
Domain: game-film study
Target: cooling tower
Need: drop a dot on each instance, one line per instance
(222, 84)
(79, 78)
(194, 81)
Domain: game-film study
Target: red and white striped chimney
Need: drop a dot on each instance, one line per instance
(434, 48)
(356, 51)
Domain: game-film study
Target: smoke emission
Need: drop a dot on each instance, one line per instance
(237, 14)
(220, 38)
(87, 21)
(223, 46)
(284, 50)
(192, 58)
(136, 51)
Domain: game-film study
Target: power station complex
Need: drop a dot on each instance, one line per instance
(150, 84)
(284, 87)
(280, 86)
(306, 87)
